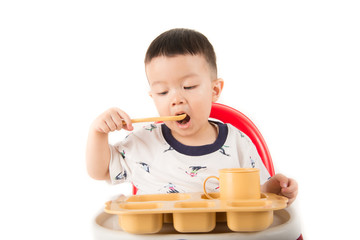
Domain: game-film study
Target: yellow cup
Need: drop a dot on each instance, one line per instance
(237, 184)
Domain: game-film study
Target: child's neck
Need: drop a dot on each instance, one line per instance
(206, 135)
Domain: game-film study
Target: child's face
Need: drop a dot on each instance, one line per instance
(183, 84)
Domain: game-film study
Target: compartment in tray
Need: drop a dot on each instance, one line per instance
(220, 217)
(216, 195)
(141, 223)
(159, 197)
(194, 221)
(197, 204)
(139, 206)
(247, 204)
(249, 221)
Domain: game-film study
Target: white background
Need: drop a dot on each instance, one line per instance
(292, 67)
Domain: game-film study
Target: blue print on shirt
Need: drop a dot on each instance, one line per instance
(252, 162)
(121, 176)
(171, 188)
(222, 150)
(194, 170)
(145, 166)
(169, 149)
(152, 127)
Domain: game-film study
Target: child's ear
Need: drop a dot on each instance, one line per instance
(217, 87)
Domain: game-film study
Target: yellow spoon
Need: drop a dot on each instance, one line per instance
(158, 119)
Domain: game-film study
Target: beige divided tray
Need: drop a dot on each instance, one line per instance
(194, 212)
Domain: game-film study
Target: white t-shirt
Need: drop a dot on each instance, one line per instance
(155, 162)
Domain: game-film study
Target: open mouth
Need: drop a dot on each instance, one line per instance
(185, 120)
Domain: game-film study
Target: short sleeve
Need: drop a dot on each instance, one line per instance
(118, 169)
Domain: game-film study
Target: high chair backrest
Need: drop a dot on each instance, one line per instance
(230, 115)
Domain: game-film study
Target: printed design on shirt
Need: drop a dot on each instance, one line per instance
(121, 176)
(171, 188)
(144, 166)
(193, 170)
(136, 186)
(169, 149)
(151, 128)
(222, 150)
(252, 163)
(241, 134)
(127, 138)
(123, 154)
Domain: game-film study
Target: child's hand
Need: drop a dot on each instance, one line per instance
(111, 120)
(281, 185)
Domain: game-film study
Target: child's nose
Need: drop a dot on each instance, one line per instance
(177, 99)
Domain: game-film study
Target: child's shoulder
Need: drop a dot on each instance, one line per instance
(234, 130)
(236, 133)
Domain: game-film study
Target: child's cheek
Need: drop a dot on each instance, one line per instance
(161, 105)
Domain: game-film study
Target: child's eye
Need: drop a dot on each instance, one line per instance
(190, 87)
(162, 93)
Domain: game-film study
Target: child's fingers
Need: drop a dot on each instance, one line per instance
(117, 120)
(283, 185)
(292, 185)
(290, 195)
(283, 180)
(124, 116)
(110, 123)
(103, 127)
(291, 190)
(112, 120)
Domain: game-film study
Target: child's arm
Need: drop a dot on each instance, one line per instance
(97, 149)
(281, 185)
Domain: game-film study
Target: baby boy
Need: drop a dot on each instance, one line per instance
(177, 156)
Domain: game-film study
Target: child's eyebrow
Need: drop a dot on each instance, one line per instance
(189, 76)
(157, 83)
(181, 78)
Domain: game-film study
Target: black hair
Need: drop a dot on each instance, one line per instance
(181, 41)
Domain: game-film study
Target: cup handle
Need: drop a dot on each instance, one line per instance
(204, 186)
